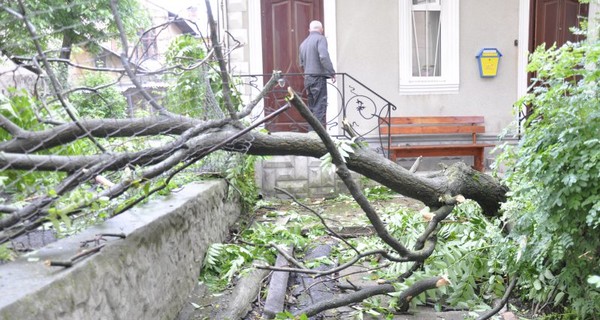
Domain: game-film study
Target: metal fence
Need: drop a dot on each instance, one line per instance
(355, 110)
(96, 116)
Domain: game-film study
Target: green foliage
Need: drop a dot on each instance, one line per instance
(344, 147)
(188, 95)
(20, 108)
(554, 178)
(372, 308)
(198, 89)
(470, 252)
(6, 254)
(288, 315)
(379, 192)
(240, 173)
(102, 103)
(225, 261)
(58, 23)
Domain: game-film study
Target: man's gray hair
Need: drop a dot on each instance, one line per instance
(315, 25)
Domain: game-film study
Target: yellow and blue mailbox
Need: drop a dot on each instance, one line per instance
(488, 59)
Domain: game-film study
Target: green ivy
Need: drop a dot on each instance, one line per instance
(554, 178)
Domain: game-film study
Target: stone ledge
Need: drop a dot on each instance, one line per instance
(148, 275)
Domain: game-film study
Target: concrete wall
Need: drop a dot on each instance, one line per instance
(148, 275)
(301, 176)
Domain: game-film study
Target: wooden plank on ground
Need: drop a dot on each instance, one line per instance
(277, 288)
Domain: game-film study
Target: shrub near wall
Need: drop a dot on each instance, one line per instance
(554, 179)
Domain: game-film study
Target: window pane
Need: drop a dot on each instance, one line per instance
(426, 44)
(425, 1)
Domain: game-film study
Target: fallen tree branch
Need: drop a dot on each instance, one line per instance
(367, 292)
(417, 288)
(345, 300)
(343, 172)
(71, 261)
(503, 301)
(456, 179)
(335, 234)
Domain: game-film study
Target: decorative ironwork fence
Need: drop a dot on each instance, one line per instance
(355, 110)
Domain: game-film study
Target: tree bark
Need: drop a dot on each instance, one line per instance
(454, 180)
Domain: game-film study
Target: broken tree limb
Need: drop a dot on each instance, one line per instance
(335, 234)
(69, 263)
(347, 299)
(456, 179)
(417, 288)
(367, 292)
(344, 173)
(503, 301)
(416, 165)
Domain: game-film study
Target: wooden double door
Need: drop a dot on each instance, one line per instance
(284, 26)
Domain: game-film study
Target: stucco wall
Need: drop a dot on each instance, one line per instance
(148, 275)
(367, 45)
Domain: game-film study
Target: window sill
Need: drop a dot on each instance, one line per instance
(428, 88)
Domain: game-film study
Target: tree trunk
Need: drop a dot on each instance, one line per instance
(458, 179)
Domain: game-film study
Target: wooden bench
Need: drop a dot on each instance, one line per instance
(446, 125)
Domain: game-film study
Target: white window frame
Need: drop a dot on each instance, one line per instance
(448, 82)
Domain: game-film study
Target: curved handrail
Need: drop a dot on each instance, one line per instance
(362, 107)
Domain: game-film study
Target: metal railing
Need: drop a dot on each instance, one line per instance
(359, 110)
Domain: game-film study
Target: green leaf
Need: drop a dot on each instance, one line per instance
(558, 298)
(537, 285)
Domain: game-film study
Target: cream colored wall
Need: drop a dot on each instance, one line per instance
(367, 45)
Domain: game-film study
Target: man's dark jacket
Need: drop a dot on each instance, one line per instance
(314, 57)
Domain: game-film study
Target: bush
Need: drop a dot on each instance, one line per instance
(554, 178)
(101, 103)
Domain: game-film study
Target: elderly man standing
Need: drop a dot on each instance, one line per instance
(317, 66)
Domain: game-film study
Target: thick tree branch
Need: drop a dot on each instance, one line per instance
(29, 142)
(486, 191)
(11, 127)
(503, 301)
(345, 175)
(417, 288)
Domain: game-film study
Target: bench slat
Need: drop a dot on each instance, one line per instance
(434, 120)
(436, 125)
(432, 129)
